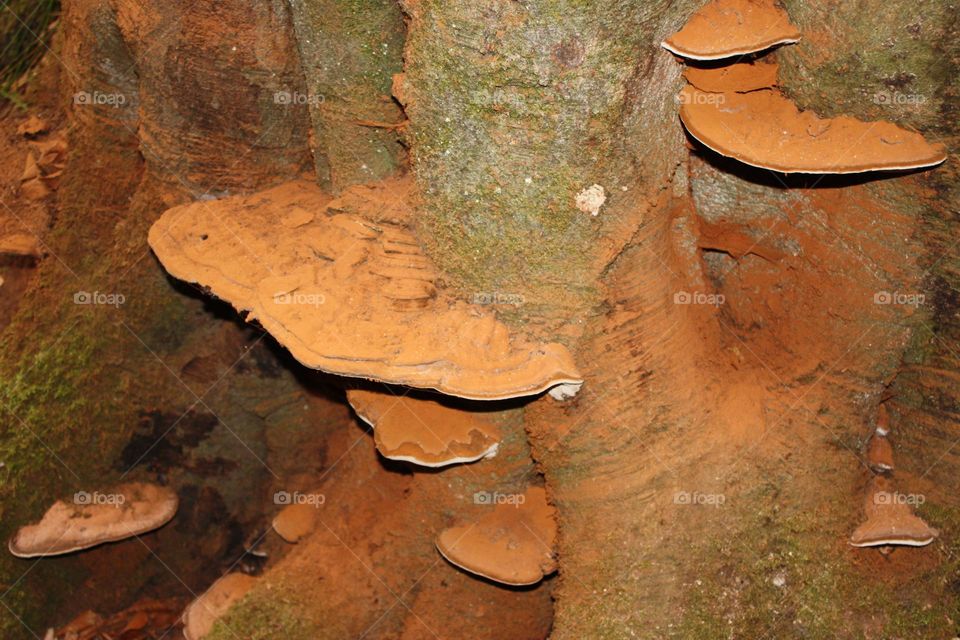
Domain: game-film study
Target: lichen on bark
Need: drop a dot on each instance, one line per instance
(350, 50)
(515, 107)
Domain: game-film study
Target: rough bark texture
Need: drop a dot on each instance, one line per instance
(350, 51)
(515, 107)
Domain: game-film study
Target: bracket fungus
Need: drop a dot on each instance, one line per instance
(765, 129)
(351, 293)
(201, 614)
(880, 453)
(741, 77)
(424, 431)
(890, 520)
(725, 28)
(94, 519)
(295, 521)
(513, 544)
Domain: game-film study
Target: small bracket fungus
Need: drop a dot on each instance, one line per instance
(201, 614)
(21, 245)
(513, 544)
(94, 519)
(425, 431)
(880, 454)
(890, 520)
(295, 521)
(591, 199)
(349, 291)
(765, 129)
(725, 28)
(741, 77)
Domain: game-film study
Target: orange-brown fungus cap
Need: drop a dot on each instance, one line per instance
(764, 129)
(725, 28)
(295, 521)
(345, 287)
(425, 431)
(741, 77)
(890, 520)
(512, 544)
(91, 519)
(200, 616)
(880, 453)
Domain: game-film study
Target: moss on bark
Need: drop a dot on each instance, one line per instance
(350, 50)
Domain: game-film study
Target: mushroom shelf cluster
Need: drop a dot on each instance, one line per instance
(343, 284)
(736, 110)
(733, 106)
(889, 518)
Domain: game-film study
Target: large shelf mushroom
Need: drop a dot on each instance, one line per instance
(344, 286)
(425, 431)
(736, 111)
(123, 512)
(726, 28)
(513, 544)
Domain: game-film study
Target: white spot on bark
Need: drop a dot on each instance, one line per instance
(591, 199)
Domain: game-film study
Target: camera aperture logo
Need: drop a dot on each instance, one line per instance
(696, 498)
(496, 297)
(297, 98)
(86, 98)
(99, 298)
(899, 298)
(895, 497)
(497, 498)
(699, 297)
(87, 499)
(300, 298)
(287, 498)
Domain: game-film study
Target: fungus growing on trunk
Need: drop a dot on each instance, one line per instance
(92, 519)
(295, 521)
(21, 245)
(201, 614)
(424, 431)
(765, 129)
(352, 294)
(725, 28)
(512, 544)
(890, 520)
(741, 77)
(880, 454)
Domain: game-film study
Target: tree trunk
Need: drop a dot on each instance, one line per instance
(708, 474)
